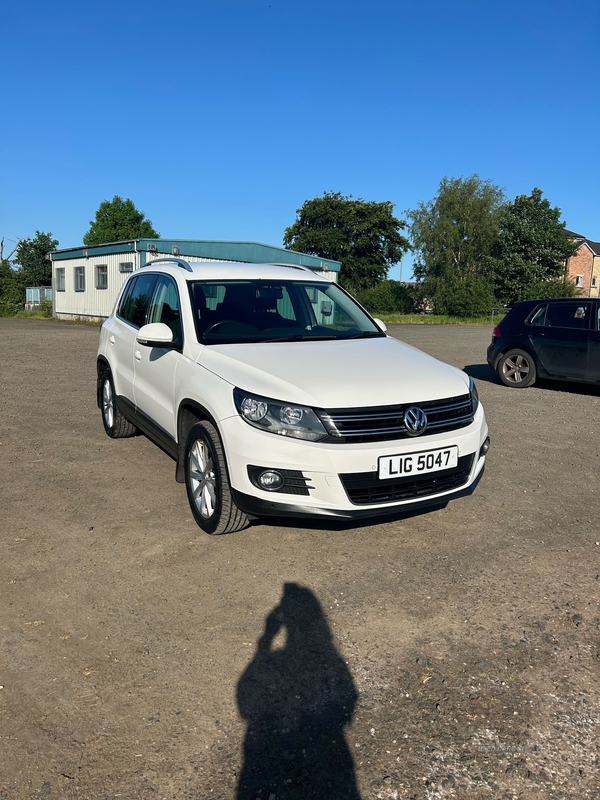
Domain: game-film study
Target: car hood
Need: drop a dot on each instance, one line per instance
(336, 374)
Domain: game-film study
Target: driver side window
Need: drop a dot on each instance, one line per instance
(165, 307)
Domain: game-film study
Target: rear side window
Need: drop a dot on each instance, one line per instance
(135, 300)
(539, 316)
(567, 315)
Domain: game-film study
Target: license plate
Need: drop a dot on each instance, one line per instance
(418, 463)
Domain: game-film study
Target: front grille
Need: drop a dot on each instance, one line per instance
(387, 422)
(365, 488)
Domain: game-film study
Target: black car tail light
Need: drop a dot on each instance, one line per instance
(496, 332)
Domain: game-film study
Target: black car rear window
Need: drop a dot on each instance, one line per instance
(567, 315)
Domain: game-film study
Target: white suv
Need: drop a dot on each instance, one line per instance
(277, 394)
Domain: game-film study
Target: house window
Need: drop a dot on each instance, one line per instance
(126, 266)
(60, 279)
(80, 279)
(594, 282)
(579, 281)
(101, 276)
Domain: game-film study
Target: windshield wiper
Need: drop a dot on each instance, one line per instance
(299, 337)
(365, 334)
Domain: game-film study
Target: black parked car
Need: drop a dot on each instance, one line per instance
(548, 338)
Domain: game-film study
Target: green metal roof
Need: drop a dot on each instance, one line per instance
(251, 252)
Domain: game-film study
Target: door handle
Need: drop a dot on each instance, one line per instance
(137, 355)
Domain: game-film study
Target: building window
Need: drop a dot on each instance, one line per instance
(126, 266)
(80, 279)
(101, 276)
(594, 281)
(579, 281)
(60, 279)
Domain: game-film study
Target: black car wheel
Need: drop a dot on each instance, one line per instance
(517, 369)
(207, 482)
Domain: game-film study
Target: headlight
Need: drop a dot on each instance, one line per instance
(474, 395)
(274, 416)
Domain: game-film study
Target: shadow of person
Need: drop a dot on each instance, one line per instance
(296, 700)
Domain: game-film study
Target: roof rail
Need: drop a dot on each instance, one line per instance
(181, 262)
(293, 266)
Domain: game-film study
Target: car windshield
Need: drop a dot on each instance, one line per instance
(228, 312)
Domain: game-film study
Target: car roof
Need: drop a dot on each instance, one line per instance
(226, 270)
(522, 304)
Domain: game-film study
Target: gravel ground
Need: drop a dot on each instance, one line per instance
(447, 654)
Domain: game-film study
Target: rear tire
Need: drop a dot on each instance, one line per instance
(207, 482)
(517, 369)
(115, 424)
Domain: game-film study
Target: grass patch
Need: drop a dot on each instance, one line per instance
(440, 319)
(6, 311)
(18, 312)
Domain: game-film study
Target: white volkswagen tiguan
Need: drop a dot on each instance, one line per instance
(277, 394)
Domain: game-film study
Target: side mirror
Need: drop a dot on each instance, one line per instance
(380, 324)
(156, 334)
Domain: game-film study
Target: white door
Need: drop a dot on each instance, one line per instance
(155, 367)
(124, 327)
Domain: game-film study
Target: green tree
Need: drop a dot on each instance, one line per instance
(469, 296)
(453, 233)
(118, 220)
(529, 256)
(31, 257)
(12, 295)
(387, 297)
(364, 235)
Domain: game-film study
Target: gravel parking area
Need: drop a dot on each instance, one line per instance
(435, 656)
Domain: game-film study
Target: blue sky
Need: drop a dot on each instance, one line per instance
(219, 119)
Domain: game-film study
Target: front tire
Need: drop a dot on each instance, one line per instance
(517, 369)
(115, 424)
(207, 482)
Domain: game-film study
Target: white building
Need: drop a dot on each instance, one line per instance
(86, 280)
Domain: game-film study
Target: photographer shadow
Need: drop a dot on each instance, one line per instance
(297, 699)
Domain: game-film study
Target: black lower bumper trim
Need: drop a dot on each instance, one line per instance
(256, 506)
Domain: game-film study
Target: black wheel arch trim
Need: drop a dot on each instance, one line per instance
(101, 365)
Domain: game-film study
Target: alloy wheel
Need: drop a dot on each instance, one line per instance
(108, 404)
(203, 479)
(516, 369)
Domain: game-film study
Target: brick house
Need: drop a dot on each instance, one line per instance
(584, 266)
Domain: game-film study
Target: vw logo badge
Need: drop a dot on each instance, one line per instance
(415, 420)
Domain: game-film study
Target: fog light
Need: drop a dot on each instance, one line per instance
(484, 447)
(270, 480)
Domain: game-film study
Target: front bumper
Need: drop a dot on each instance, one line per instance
(324, 465)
